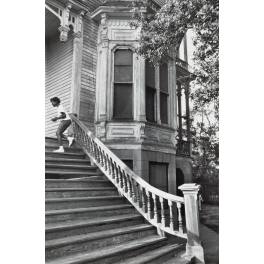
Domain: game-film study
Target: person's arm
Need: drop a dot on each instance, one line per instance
(62, 116)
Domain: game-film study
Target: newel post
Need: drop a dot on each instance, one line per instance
(193, 246)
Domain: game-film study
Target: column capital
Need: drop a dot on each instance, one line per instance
(192, 188)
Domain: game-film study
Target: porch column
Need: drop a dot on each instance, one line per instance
(193, 246)
(101, 72)
(172, 94)
(77, 66)
(140, 87)
(188, 123)
(157, 86)
(179, 109)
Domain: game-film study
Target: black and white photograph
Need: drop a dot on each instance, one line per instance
(131, 132)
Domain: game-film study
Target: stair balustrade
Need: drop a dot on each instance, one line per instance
(163, 210)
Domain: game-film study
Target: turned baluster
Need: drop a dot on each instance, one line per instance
(128, 185)
(148, 204)
(112, 168)
(155, 207)
(105, 160)
(179, 217)
(116, 173)
(171, 215)
(121, 183)
(143, 199)
(162, 211)
(133, 193)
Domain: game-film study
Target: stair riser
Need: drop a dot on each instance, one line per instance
(82, 204)
(167, 256)
(88, 215)
(66, 149)
(125, 255)
(68, 162)
(81, 184)
(67, 194)
(66, 156)
(73, 170)
(64, 143)
(93, 228)
(88, 246)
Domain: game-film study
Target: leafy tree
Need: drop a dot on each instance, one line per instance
(161, 35)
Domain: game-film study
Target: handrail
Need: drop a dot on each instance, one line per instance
(160, 208)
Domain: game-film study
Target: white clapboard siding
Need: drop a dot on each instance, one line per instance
(58, 79)
(88, 73)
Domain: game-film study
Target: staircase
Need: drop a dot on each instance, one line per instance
(87, 221)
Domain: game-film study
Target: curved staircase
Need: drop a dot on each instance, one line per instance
(87, 221)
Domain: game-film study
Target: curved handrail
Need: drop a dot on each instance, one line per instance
(146, 198)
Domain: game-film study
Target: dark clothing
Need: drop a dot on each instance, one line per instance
(64, 124)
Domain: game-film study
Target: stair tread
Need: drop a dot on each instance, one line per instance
(70, 166)
(57, 189)
(67, 160)
(99, 220)
(69, 199)
(96, 235)
(107, 251)
(152, 254)
(50, 171)
(78, 180)
(66, 153)
(89, 209)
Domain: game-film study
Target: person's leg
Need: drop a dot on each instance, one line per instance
(70, 135)
(64, 124)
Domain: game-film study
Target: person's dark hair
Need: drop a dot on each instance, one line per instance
(55, 99)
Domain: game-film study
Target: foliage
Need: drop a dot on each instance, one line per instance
(161, 34)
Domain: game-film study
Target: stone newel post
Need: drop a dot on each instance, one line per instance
(193, 246)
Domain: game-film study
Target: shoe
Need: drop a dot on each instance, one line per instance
(71, 140)
(59, 150)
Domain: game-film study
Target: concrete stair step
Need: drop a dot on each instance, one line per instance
(78, 227)
(73, 155)
(79, 192)
(82, 202)
(65, 161)
(96, 240)
(56, 216)
(70, 173)
(157, 256)
(110, 254)
(70, 166)
(66, 149)
(98, 181)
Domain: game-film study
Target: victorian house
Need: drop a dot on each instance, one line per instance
(138, 111)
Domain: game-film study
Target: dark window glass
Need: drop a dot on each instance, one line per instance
(123, 57)
(164, 108)
(150, 104)
(123, 101)
(164, 93)
(164, 77)
(150, 75)
(123, 74)
(158, 175)
(150, 92)
(123, 80)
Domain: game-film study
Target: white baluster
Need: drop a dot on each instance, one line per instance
(171, 216)
(162, 211)
(179, 217)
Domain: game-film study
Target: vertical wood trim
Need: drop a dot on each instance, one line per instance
(140, 87)
(172, 94)
(76, 74)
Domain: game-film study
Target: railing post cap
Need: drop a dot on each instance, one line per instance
(189, 187)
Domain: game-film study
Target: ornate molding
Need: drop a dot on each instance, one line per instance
(67, 18)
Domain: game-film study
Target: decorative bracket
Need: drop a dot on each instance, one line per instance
(67, 18)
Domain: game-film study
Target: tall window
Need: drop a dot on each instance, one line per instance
(164, 93)
(123, 84)
(150, 92)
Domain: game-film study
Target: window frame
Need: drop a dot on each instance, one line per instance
(113, 117)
